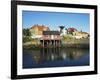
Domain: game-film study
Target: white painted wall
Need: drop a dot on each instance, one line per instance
(5, 29)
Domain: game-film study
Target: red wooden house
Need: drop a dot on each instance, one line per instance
(51, 38)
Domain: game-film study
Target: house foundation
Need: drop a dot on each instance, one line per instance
(50, 43)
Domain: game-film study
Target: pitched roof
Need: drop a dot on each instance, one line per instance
(40, 27)
(51, 33)
(72, 29)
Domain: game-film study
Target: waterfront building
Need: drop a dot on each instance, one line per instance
(79, 34)
(37, 30)
(51, 38)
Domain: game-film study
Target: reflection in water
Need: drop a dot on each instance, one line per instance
(51, 57)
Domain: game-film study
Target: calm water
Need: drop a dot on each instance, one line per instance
(55, 57)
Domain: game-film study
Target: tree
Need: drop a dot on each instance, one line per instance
(26, 32)
(26, 35)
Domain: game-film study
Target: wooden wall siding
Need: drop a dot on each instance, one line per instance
(51, 37)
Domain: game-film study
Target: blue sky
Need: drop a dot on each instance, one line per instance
(53, 20)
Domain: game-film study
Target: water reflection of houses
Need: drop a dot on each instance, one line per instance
(57, 54)
(46, 54)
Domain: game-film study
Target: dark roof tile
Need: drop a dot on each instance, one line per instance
(51, 33)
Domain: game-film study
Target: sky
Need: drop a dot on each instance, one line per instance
(53, 20)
